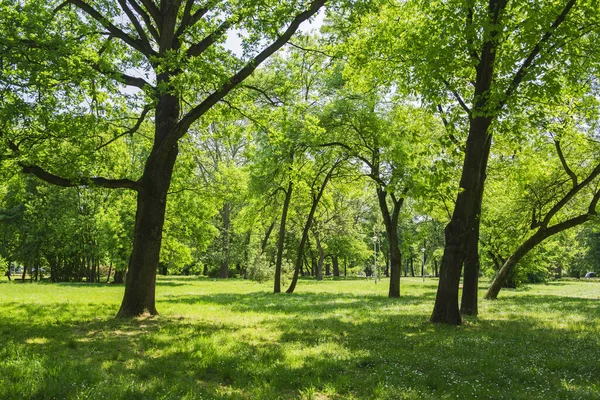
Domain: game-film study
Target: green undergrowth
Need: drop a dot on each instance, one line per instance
(331, 340)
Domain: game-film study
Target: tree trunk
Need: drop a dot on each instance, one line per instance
(109, 272)
(92, 269)
(463, 224)
(468, 305)
(226, 215)
(412, 266)
(542, 234)
(119, 277)
(319, 272)
(327, 269)
(336, 265)
(281, 242)
(140, 284)
(305, 232)
(391, 228)
(24, 273)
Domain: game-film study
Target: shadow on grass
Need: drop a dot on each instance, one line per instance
(338, 345)
(302, 303)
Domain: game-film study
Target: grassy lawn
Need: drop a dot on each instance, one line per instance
(331, 340)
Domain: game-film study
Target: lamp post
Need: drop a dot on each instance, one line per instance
(423, 265)
(375, 257)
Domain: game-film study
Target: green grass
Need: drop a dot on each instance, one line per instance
(331, 340)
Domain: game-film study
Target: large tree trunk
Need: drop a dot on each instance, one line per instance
(305, 232)
(281, 242)
(226, 215)
(463, 223)
(140, 284)
(468, 305)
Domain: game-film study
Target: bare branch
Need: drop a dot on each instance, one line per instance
(190, 19)
(153, 11)
(457, 97)
(130, 131)
(136, 24)
(123, 78)
(275, 103)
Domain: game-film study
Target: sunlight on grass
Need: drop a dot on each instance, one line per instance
(331, 340)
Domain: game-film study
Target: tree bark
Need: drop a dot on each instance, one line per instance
(281, 242)
(462, 225)
(472, 264)
(140, 284)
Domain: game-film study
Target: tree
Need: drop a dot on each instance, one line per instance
(476, 62)
(178, 46)
(561, 199)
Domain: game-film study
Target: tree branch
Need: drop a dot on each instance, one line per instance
(130, 131)
(568, 170)
(243, 73)
(136, 24)
(136, 44)
(199, 48)
(188, 18)
(274, 103)
(153, 11)
(146, 19)
(447, 125)
(520, 74)
(569, 195)
(64, 182)
(457, 96)
(123, 78)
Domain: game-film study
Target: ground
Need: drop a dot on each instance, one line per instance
(331, 340)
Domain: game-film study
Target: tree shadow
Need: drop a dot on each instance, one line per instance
(335, 345)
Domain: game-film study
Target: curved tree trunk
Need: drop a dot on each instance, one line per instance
(541, 235)
(281, 242)
(305, 232)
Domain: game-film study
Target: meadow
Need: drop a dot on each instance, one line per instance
(335, 339)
